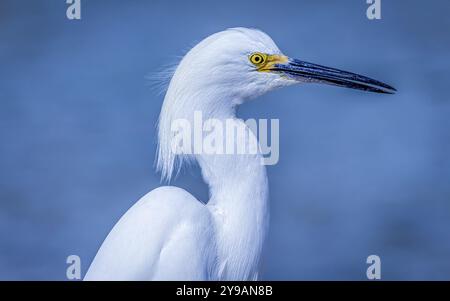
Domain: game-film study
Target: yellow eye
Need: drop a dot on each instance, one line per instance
(258, 59)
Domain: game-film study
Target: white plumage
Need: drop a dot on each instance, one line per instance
(170, 235)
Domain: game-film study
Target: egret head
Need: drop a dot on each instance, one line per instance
(243, 63)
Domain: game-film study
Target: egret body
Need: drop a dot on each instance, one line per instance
(170, 235)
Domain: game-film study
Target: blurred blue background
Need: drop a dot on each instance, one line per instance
(359, 173)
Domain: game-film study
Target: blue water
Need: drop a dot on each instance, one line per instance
(359, 173)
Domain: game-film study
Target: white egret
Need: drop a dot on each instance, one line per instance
(170, 235)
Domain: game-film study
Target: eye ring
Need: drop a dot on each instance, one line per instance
(258, 59)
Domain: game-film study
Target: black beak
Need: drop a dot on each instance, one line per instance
(308, 72)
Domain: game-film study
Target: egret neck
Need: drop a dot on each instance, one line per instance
(239, 205)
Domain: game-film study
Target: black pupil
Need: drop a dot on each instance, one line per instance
(257, 59)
